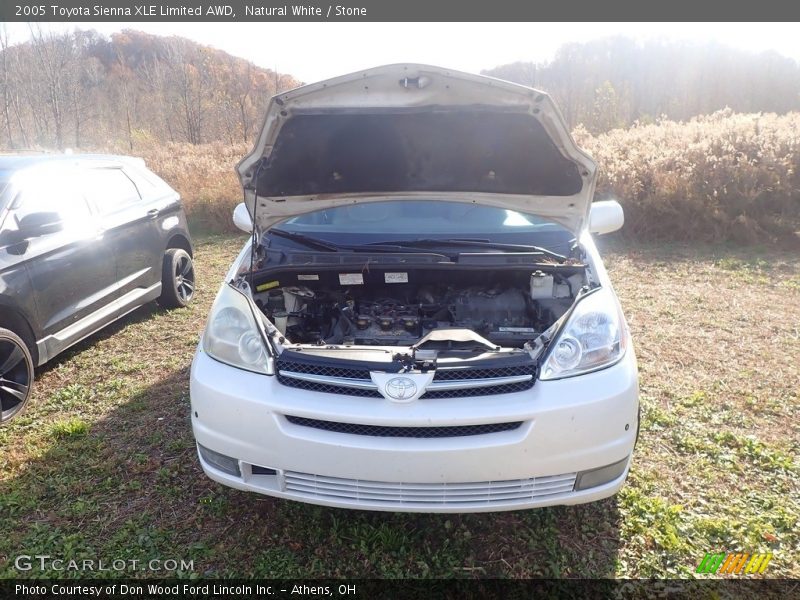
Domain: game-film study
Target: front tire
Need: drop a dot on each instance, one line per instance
(16, 375)
(177, 279)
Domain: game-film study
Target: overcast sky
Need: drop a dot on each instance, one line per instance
(314, 51)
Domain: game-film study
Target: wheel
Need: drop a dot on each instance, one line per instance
(16, 374)
(177, 279)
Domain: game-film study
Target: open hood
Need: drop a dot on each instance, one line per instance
(416, 131)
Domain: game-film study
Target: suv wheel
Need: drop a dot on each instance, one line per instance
(16, 374)
(177, 279)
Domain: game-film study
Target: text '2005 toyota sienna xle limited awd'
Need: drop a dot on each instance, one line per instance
(421, 320)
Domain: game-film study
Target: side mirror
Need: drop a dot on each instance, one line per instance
(39, 224)
(605, 216)
(241, 218)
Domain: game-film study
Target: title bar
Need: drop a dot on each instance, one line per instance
(394, 10)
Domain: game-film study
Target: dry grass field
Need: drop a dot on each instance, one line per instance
(102, 464)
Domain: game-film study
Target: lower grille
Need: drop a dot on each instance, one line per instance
(406, 432)
(429, 494)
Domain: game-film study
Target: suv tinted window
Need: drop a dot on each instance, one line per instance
(55, 196)
(110, 190)
(144, 182)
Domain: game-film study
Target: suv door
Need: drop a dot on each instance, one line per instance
(70, 264)
(131, 224)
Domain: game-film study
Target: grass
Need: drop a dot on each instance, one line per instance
(102, 464)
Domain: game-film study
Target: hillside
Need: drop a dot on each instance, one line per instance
(83, 90)
(614, 82)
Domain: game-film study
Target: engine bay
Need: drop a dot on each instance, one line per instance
(508, 308)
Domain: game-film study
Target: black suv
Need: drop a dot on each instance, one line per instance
(84, 240)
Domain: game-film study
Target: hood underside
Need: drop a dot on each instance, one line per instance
(417, 132)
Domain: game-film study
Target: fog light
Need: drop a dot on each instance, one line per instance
(256, 470)
(223, 463)
(595, 477)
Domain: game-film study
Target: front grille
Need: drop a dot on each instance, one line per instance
(361, 374)
(459, 373)
(467, 373)
(405, 432)
(468, 393)
(328, 388)
(325, 370)
(478, 493)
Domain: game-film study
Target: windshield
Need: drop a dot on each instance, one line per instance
(416, 219)
(5, 176)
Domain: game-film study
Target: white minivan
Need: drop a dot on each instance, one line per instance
(420, 320)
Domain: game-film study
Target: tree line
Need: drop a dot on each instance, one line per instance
(614, 82)
(83, 90)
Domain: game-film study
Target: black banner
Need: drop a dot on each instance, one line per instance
(48, 589)
(393, 10)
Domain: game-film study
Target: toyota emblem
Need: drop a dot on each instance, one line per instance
(401, 389)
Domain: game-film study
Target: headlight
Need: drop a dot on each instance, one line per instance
(232, 335)
(594, 337)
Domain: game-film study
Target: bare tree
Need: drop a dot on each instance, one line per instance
(154, 76)
(53, 54)
(124, 77)
(84, 75)
(244, 87)
(6, 83)
(189, 76)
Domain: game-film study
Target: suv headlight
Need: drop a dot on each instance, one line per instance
(233, 336)
(593, 338)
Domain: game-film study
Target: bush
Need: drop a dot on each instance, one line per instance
(205, 177)
(720, 177)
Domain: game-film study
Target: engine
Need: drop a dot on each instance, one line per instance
(399, 315)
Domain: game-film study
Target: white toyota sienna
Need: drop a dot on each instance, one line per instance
(420, 320)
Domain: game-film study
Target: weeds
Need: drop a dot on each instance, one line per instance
(719, 177)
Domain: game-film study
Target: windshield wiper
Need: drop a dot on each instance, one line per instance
(306, 240)
(469, 242)
(319, 244)
(401, 245)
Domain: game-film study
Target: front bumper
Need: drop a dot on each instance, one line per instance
(568, 426)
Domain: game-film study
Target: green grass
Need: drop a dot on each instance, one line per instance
(72, 427)
(102, 464)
